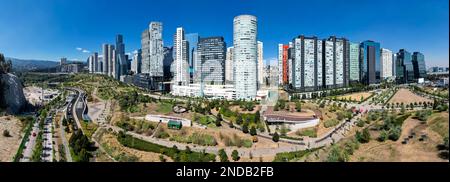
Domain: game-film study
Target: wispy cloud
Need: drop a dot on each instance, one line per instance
(82, 50)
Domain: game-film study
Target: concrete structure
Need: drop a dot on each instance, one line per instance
(209, 91)
(166, 119)
(229, 65)
(307, 64)
(136, 65)
(245, 56)
(354, 68)
(211, 53)
(386, 64)
(181, 47)
(152, 50)
(260, 64)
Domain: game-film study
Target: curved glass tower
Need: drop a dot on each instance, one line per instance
(245, 56)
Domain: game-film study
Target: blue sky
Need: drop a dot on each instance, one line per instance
(50, 29)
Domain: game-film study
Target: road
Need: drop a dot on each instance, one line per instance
(63, 137)
(29, 146)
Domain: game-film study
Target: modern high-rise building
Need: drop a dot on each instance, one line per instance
(136, 65)
(290, 56)
(370, 62)
(229, 65)
(121, 60)
(111, 61)
(336, 62)
(404, 67)
(193, 40)
(354, 62)
(105, 65)
(245, 56)
(280, 64)
(260, 64)
(212, 53)
(418, 60)
(307, 64)
(167, 62)
(181, 47)
(386, 64)
(152, 50)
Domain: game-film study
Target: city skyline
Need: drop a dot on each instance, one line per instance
(77, 36)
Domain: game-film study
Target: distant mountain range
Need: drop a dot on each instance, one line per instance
(31, 64)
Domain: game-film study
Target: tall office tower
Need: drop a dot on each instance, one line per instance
(153, 50)
(370, 62)
(280, 64)
(62, 61)
(136, 65)
(354, 68)
(260, 64)
(212, 53)
(290, 55)
(121, 60)
(418, 60)
(336, 62)
(105, 65)
(181, 47)
(245, 56)
(90, 62)
(404, 67)
(100, 64)
(193, 39)
(229, 65)
(307, 64)
(167, 62)
(95, 62)
(111, 63)
(386, 63)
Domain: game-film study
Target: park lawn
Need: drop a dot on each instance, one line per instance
(164, 108)
(359, 96)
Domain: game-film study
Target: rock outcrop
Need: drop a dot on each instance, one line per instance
(12, 98)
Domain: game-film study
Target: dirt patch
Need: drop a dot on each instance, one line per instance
(395, 151)
(355, 96)
(9, 145)
(406, 96)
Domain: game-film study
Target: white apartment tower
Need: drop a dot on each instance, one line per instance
(245, 56)
(386, 63)
(260, 64)
(181, 47)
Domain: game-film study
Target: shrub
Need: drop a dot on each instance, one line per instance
(235, 155)
(330, 123)
(384, 135)
(394, 133)
(275, 137)
(6, 133)
(223, 156)
(363, 137)
(360, 123)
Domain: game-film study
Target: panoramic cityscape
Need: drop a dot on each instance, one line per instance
(173, 93)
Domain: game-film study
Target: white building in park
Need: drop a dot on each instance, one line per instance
(209, 91)
(386, 63)
(166, 119)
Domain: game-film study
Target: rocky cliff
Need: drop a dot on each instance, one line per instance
(12, 98)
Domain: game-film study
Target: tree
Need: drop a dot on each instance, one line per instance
(275, 137)
(402, 110)
(298, 106)
(218, 124)
(223, 156)
(235, 155)
(253, 131)
(83, 156)
(363, 137)
(245, 128)
(239, 119)
(6, 133)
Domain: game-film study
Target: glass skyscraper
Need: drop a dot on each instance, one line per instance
(212, 53)
(404, 67)
(370, 62)
(418, 60)
(193, 39)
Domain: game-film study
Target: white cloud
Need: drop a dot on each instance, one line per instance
(79, 49)
(86, 51)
